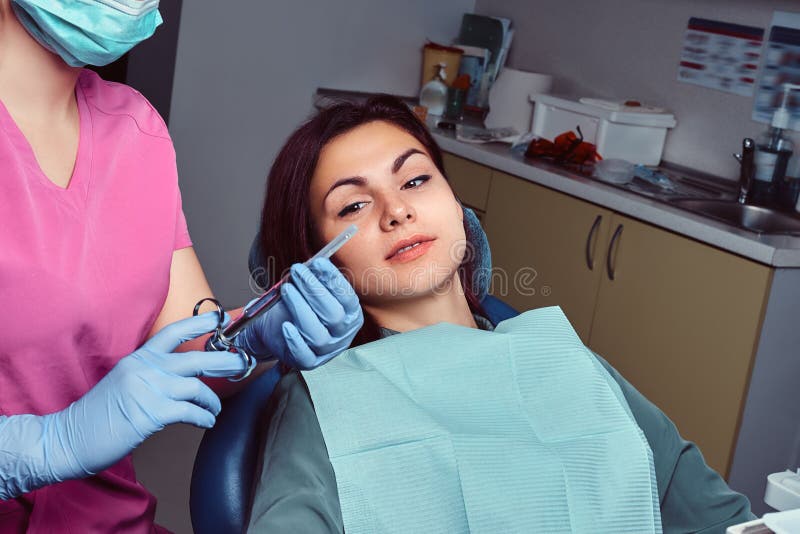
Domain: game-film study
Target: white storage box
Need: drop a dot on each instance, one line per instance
(633, 134)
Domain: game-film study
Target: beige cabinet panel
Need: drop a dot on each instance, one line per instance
(680, 321)
(470, 180)
(539, 242)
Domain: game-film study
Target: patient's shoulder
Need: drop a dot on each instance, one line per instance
(291, 381)
(290, 395)
(290, 421)
(296, 487)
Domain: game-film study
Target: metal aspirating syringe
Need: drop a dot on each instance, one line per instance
(223, 340)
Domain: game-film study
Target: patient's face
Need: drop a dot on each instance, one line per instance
(411, 235)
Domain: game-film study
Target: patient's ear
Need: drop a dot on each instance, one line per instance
(460, 210)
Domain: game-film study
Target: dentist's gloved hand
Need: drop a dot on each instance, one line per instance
(317, 318)
(144, 392)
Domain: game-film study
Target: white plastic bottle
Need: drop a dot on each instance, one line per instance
(434, 93)
(773, 151)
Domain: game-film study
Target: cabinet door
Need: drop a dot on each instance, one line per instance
(543, 244)
(680, 321)
(469, 180)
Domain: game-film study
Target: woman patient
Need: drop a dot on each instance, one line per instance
(412, 264)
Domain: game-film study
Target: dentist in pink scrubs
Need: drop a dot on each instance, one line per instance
(98, 277)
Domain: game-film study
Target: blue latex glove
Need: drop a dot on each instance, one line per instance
(146, 391)
(317, 318)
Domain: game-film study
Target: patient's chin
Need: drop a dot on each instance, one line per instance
(386, 286)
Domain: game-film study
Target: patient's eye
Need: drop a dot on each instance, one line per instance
(352, 208)
(416, 182)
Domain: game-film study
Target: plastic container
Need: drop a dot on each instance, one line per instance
(633, 134)
(783, 490)
(474, 63)
(615, 171)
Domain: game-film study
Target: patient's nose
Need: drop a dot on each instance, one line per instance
(396, 213)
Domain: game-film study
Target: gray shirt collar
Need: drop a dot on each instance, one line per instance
(482, 322)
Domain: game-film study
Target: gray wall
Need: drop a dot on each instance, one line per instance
(151, 65)
(769, 435)
(631, 49)
(244, 77)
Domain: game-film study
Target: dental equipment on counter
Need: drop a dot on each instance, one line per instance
(782, 494)
(223, 337)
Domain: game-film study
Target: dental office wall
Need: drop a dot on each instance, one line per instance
(244, 78)
(630, 49)
(151, 65)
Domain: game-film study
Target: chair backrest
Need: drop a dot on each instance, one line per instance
(228, 456)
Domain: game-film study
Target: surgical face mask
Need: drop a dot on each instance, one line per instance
(88, 32)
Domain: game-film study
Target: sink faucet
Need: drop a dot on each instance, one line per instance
(747, 169)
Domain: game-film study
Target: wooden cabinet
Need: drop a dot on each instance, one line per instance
(678, 318)
(470, 181)
(547, 248)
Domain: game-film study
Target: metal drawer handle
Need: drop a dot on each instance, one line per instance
(589, 258)
(609, 267)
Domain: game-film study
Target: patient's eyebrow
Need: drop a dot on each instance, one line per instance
(353, 180)
(403, 157)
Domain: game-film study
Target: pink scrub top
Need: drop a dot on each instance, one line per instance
(84, 272)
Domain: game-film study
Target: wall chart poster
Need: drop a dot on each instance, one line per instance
(721, 55)
(781, 65)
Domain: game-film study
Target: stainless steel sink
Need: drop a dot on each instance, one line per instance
(753, 218)
(685, 183)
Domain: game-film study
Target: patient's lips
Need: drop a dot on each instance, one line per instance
(410, 249)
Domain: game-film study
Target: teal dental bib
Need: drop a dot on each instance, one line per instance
(453, 429)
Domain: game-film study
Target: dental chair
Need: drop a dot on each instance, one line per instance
(225, 467)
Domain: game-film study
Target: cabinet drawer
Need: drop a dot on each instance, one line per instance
(547, 248)
(470, 180)
(681, 320)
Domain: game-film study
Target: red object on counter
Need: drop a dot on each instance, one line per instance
(565, 148)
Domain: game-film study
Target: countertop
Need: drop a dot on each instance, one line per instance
(774, 250)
